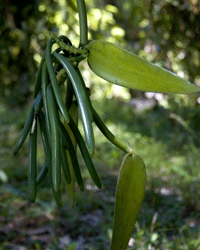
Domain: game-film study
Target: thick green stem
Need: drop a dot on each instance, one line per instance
(82, 22)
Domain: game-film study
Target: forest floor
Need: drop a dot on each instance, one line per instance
(170, 214)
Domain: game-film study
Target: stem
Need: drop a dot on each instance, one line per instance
(82, 22)
(71, 49)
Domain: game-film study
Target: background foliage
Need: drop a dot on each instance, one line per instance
(163, 129)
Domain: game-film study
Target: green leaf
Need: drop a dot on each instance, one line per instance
(128, 200)
(126, 69)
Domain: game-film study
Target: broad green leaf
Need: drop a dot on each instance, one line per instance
(126, 69)
(128, 200)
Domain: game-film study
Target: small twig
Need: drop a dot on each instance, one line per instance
(153, 222)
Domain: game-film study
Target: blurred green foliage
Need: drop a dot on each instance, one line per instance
(169, 218)
(165, 32)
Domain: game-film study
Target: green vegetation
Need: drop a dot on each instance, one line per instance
(169, 218)
(165, 133)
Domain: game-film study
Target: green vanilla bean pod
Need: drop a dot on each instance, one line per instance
(86, 93)
(82, 99)
(42, 174)
(63, 137)
(65, 165)
(45, 82)
(54, 81)
(38, 78)
(55, 139)
(129, 195)
(85, 153)
(112, 138)
(78, 85)
(69, 95)
(73, 157)
(38, 102)
(26, 129)
(48, 155)
(45, 140)
(32, 173)
(64, 162)
(73, 112)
